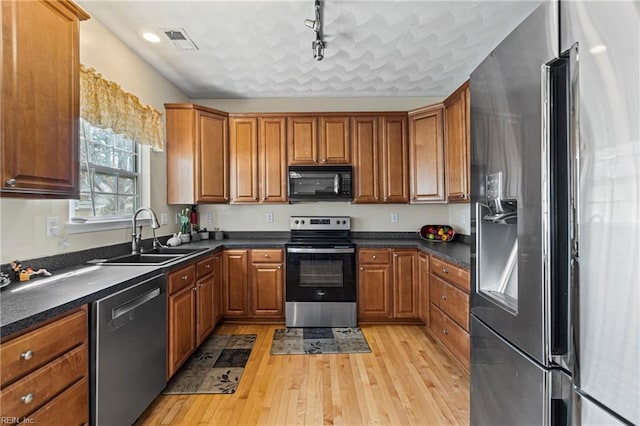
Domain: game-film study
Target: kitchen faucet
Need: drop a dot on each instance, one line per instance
(136, 236)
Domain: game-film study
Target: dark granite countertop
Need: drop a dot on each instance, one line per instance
(25, 304)
(454, 252)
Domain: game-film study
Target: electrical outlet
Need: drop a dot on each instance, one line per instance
(463, 218)
(270, 217)
(53, 226)
(209, 217)
(395, 218)
(164, 218)
(177, 218)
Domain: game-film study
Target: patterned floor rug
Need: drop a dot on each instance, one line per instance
(215, 367)
(289, 341)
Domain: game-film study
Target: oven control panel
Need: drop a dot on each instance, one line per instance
(328, 223)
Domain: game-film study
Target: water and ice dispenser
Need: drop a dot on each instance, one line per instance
(497, 239)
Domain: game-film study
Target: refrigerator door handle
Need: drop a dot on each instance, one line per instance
(574, 170)
(557, 208)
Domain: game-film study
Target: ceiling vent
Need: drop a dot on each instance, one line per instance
(180, 39)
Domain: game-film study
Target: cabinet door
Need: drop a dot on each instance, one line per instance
(244, 160)
(267, 295)
(217, 287)
(405, 284)
(205, 314)
(423, 283)
(235, 283)
(366, 160)
(303, 140)
(395, 180)
(182, 339)
(374, 292)
(334, 143)
(40, 99)
(273, 160)
(212, 159)
(426, 155)
(456, 146)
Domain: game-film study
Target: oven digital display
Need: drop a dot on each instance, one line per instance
(320, 221)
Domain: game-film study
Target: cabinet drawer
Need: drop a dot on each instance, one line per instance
(454, 337)
(71, 407)
(453, 301)
(374, 256)
(451, 273)
(181, 278)
(204, 267)
(266, 256)
(36, 348)
(37, 388)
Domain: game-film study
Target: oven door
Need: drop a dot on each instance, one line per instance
(321, 274)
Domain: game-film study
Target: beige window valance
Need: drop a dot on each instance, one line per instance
(105, 104)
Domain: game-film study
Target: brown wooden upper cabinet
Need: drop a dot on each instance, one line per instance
(457, 142)
(40, 99)
(379, 147)
(426, 154)
(258, 159)
(309, 145)
(197, 154)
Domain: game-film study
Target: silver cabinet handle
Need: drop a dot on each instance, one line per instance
(279, 267)
(11, 182)
(255, 198)
(27, 398)
(374, 256)
(445, 271)
(324, 160)
(207, 266)
(266, 256)
(26, 355)
(443, 297)
(444, 331)
(362, 268)
(185, 277)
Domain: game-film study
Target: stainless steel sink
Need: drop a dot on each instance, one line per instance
(173, 250)
(142, 259)
(157, 256)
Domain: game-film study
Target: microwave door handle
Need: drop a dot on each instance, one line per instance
(336, 184)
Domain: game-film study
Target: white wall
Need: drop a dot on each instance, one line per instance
(23, 221)
(375, 217)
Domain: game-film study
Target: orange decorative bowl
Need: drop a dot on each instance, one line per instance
(438, 233)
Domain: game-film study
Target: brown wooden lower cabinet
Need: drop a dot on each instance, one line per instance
(45, 372)
(423, 290)
(451, 335)
(193, 308)
(236, 275)
(267, 289)
(449, 308)
(182, 322)
(254, 284)
(388, 285)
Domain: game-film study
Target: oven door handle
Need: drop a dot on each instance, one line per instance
(321, 250)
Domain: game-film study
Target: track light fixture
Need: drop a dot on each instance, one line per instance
(318, 44)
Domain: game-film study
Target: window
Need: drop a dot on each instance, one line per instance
(109, 175)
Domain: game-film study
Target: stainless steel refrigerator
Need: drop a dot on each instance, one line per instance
(555, 211)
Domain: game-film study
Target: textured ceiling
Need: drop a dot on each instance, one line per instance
(263, 49)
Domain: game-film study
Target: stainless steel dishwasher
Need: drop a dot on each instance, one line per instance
(129, 352)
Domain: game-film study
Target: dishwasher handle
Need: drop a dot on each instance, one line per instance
(132, 304)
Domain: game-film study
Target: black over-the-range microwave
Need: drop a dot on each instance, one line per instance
(320, 183)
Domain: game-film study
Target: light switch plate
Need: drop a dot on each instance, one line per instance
(209, 217)
(395, 218)
(164, 218)
(53, 226)
(270, 217)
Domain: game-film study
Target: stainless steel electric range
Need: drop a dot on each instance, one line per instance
(321, 273)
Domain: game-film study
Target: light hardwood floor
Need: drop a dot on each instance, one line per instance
(405, 380)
